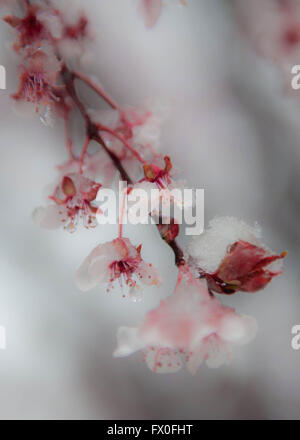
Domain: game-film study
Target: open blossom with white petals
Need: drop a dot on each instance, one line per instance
(120, 261)
(189, 326)
(230, 255)
(73, 198)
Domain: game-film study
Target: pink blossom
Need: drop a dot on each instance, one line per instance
(73, 198)
(189, 326)
(116, 260)
(31, 31)
(38, 80)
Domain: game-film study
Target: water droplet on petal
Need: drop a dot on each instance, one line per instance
(46, 116)
(135, 294)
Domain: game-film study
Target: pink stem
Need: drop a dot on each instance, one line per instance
(83, 153)
(127, 144)
(69, 144)
(97, 89)
(122, 214)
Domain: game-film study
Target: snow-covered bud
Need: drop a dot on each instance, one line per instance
(231, 257)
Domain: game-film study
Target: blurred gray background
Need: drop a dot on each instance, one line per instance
(233, 131)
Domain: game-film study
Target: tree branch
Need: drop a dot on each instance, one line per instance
(92, 133)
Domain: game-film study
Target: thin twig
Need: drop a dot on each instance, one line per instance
(92, 133)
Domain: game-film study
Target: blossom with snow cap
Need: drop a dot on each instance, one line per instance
(188, 327)
(118, 260)
(231, 257)
(73, 198)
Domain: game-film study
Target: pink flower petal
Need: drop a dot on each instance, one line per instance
(95, 268)
(150, 10)
(50, 217)
(148, 274)
(162, 360)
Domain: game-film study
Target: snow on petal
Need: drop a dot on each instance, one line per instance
(192, 326)
(209, 248)
(94, 270)
(230, 255)
(128, 341)
(238, 329)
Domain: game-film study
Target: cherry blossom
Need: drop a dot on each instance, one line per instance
(73, 198)
(31, 30)
(231, 257)
(188, 327)
(118, 260)
(38, 81)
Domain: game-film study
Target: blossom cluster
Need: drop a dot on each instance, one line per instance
(191, 325)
